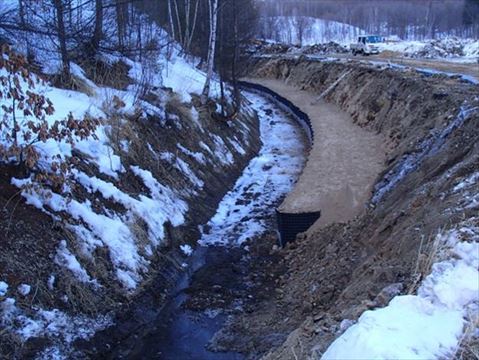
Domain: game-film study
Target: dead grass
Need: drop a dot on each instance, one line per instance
(428, 254)
(469, 344)
(174, 105)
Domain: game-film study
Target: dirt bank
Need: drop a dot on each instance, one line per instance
(337, 272)
(471, 69)
(343, 162)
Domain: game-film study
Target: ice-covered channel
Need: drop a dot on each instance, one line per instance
(246, 211)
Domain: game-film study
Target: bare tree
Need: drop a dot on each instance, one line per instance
(98, 30)
(213, 13)
(58, 4)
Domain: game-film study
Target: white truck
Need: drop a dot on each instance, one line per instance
(365, 45)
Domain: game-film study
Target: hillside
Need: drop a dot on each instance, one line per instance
(303, 30)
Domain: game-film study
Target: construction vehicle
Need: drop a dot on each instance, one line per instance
(365, 45)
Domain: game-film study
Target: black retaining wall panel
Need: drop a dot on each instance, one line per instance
(289, 224)
(301, 117)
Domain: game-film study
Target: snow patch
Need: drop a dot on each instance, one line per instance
(24, 289)
(66, 259)
(3, 288)
(186, 249)
(427, 325)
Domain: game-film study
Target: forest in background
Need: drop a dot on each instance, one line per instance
(408, 19)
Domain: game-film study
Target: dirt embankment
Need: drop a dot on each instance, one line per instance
(343, 161)
(339, 271)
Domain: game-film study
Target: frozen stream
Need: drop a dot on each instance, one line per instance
(221, 259)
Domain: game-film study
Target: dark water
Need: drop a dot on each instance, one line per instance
(177, 333)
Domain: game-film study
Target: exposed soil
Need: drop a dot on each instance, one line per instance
(471, 69)
(334, 273)
(343, 162)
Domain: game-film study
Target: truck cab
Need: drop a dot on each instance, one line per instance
(366, 45)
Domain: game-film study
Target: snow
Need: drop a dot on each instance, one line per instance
(239, 149)
(59, 327)
(186, 249)
(199, 157)
(3, 288)
(24, 289)
(183, 167)
(221, 151)
(66, 259)
(205, 147)
(183, 78)
(268, 177)
(465, 50)
(429, 324)
(51, 282)
(112, 230)
(466, 183)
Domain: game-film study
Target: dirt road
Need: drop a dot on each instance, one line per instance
(470, 69)
(343, 163)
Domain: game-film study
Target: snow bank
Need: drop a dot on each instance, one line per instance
(427, 325)
(112, 230)
(448, 48)
(267, 178)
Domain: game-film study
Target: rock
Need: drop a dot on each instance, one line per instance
(386, 294)
(307, 307)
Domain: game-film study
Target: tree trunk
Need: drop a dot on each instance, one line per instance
(121, 18)
(62, 39)
(98, 31)
(193, 27)
(236, 92)
(187, 23)
(213, 7)
(180, 34)
(170, 19)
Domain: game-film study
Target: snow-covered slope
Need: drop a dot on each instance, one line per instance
(303, 30)
(139, 177)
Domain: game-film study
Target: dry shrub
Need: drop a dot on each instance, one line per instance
(175, 106)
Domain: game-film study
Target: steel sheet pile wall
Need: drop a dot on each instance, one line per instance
(289, 224)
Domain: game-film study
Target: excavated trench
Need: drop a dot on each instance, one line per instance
(241, 296)
(235, 244)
